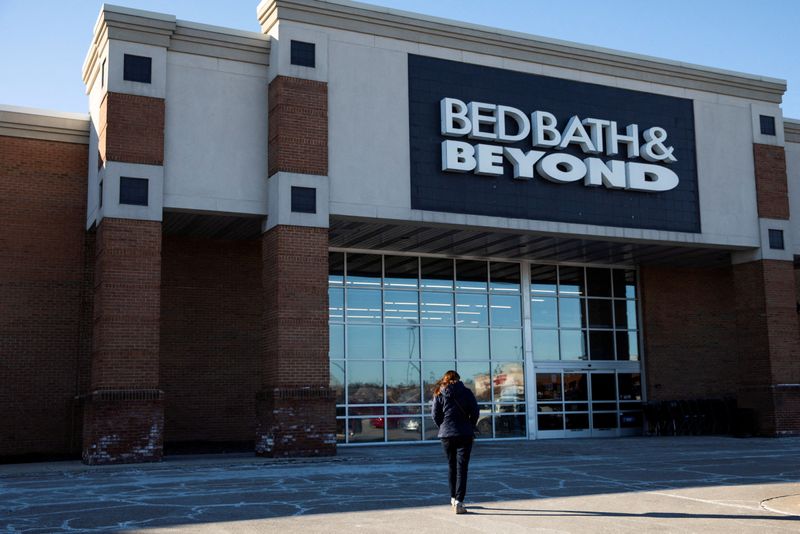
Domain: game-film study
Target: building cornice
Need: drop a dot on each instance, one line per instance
(791, 130)
(44, 125)
(434, 31)
(159, 29)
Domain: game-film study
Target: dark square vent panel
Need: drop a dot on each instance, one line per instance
(137, 68)
(767, 124)
(304, 199)
(133, 191)
(303, 54)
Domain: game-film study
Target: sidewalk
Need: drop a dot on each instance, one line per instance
(671, 484)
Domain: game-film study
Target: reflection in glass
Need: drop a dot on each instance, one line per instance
(504, 277)
(376, 411)
(337, 380)
(508, 380)
(484, 425)
(551, 422)
(630, 386)
(506, 343)
(336, 305)
(624, 283)
(402, 342)
(437, 308)
(363, 306)
(336, 341)
(575, 387)
(604, 387)
(544, 312)
(633, 345)
(363, 430)
(604, 421)
(402, 382)
(438, 343)
(505, 310)
(437, 273)
(543, 280)
(576, 407)
(398, 409)
(571, 282)
(476, 377)
(631, 419)
(400, 271)
(471, 275)
(571, 313)
(431, 430)
(363, 270)
(548, 386)
(545, 344)
(600, 314)
(400, 307)
(509, 426)
(364, 342)
(623, 347)
(364, 382)
(404, 429)
(599, 282)
(625, 314)
(577, 421)
(601, 345)
(431, 373)
(472, 343)
(336, 268)
(340, 432)
(573, 345)
(471, 310)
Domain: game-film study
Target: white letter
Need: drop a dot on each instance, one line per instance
(458, 156)
(652, 178)
(596, 132)
(613, 138)
(575, 133)
(654, 139)
(551, 168)
(475, 109)
(523, 124)
(523, 162)
(490, 160)
(599, 173)
(543, 126)
(454, 117)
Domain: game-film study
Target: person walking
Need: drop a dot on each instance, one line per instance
(455, 412)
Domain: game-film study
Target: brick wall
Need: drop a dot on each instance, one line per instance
(689, 321)
(131, 129)
(771, 186)
(296, 412)
(44, 283)
(210, 363)
(298, 126)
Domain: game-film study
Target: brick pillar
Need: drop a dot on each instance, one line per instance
(296, 408)
(124, 414)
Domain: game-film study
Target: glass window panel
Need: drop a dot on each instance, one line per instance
(364, 430)
(438, 343)
(363, 270)
(364, 342)
(336, 305)
(402, 342)
(340, 410)
(577, 421)
(576, 407)
(337, 380)
(340, 432)
(437, 273)
(543, 280)
(472, 310)
(471, 275)
(601, 345)
(401, 271)
(402, 382)
(630, 419)
(571, 313)
(600, 314)
(404, 429)
(573, 345)
(625, 314)
(571, 283)
(604, 421)
(375, 411)
(508, 380)
(604, 386)
(336, 268)
(599, 282)
(547, 407)
(548, 387)
(476, 377)
(506, 343)
(551, 422)
(504, 277)
(364, 382)
(437, 308)
(363, 306)
(336, 341)
(484, 425)
(630, 386)
(472, 343)
(509, 426)
(401, 307)
(431, 373)
(633, 345)
(624, 283)
(604, 406)
(505, 310)
(396, 409)
(431, 430)
(623, 346)
(576, 387)
(544, 312)
(545, 344)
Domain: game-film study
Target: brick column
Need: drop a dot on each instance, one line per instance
(124, 415)
(295, 409)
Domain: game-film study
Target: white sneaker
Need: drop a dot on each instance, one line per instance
(453, 502)
(460, 508)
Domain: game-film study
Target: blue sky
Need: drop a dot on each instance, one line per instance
(44, 42)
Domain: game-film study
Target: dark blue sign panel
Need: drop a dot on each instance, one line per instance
(551, 192)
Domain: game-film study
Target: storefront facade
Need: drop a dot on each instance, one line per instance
(283, 239)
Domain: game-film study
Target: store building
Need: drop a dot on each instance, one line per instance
(283, 238)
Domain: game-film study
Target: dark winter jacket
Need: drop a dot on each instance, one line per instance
(452, 420)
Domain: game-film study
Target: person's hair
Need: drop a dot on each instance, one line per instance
(450, 377)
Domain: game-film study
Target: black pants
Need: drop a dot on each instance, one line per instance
(457, 451)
